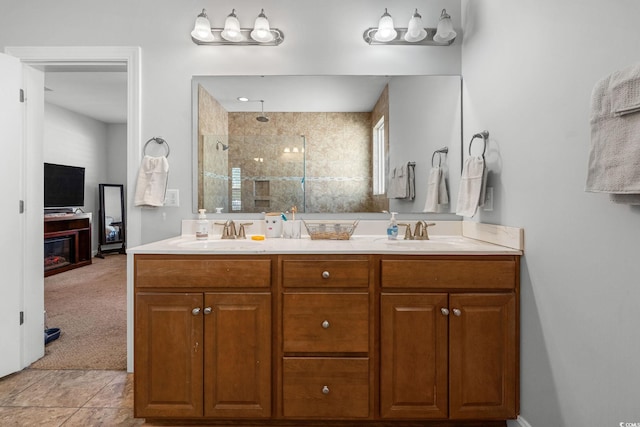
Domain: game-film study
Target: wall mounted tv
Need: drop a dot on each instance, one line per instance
(63, 186)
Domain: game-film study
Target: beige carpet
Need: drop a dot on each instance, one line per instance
(89, 305)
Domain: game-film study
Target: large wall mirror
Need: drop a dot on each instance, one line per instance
(325, 144)
(111, 219)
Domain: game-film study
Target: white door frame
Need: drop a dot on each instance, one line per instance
(41, 56)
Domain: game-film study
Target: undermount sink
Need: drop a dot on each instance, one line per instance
(221, 244)
(443, 241)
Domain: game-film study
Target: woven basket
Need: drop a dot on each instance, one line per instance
(330, 230)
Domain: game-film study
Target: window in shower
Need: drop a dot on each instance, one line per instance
(379, 156)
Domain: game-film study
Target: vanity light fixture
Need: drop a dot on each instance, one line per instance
(233, 35)
(415, 34)
(445, 32)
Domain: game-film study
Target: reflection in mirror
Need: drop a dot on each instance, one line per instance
(111, 219)
(329, 145)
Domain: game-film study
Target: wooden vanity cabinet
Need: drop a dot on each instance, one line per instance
(327, 337)
(449, 338)
(202, 349)
(335, 340)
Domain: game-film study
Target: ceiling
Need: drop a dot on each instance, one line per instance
(296, 93)
(99, 94)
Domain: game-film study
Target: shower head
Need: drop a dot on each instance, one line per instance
(224, 147)
(262, 118)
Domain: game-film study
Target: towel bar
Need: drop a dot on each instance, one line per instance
(484, 135)
(439, 152)
(158, 140)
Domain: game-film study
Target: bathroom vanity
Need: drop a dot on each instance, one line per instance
(301, 332)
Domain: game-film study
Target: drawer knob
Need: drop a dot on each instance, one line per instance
(325, 390)
(325, 275)
(444, 311)
(457, 312)
(207, 310)
(325, 324)
(195, 311)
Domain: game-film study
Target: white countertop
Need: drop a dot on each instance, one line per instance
(438, 244)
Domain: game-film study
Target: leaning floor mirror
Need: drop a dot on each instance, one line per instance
(111, 219)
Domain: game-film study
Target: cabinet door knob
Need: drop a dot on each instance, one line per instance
(444, 311)
(325, 274)
(457, 312)
(195, 311)
(207, 310)
(325, 324)
(325, 390)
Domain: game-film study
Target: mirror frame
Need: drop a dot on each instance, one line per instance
(448, 216)
(102, 223)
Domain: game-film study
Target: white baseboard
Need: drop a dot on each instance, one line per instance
(518, 422)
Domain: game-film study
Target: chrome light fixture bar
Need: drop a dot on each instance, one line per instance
(414, 35)
(232, 35)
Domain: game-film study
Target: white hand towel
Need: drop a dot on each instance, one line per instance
(471, 183)
(437, 195)
(152, 181)
(614, 157)
(402, 182)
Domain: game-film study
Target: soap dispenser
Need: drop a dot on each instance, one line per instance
(392, 228)
(202, 227)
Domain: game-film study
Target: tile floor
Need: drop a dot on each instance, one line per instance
(36, 397)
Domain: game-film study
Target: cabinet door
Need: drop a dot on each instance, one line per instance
(168, 355)
(238, 355)
(482, 356)
(413, 365)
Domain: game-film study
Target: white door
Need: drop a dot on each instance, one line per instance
(11, 218)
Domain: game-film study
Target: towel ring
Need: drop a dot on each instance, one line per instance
(484, 135)
(159, 141)
(439, 152)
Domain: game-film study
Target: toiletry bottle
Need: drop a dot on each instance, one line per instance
(202, 227)
(392, 228)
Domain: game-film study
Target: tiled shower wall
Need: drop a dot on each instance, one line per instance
(337, 158)
(213, 164)
(334, 157)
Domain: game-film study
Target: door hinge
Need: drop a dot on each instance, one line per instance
(21, 317)
(21, 95)
(21, 206)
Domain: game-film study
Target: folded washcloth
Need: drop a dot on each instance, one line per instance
(437, 195)
(152, 181)
(625, 90)
(472, 184)
(614, 157)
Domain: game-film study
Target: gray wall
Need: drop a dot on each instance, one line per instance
(529, 68)
(321, 37)
(76, 140)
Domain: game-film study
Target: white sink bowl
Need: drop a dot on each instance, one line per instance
(221, 245)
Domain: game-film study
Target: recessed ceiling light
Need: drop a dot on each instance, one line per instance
(243, 98)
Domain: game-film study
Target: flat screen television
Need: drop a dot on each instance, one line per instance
(63, 186)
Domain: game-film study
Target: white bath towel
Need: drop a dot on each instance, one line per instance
(472, 184)
(152, 181)
(437, 195)
(614, 158)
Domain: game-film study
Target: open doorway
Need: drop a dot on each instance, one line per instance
(40, 58)
(85, 129)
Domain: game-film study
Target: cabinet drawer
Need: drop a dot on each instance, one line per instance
(326, 273)
(450, 274)
(194, 271)
(326, 387)
(326, 322)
